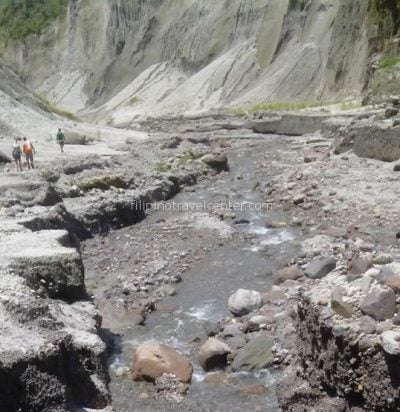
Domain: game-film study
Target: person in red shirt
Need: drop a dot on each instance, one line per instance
(29, 151)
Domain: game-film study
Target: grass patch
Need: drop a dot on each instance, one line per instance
(134, 100)
(277, 106)
(21, 18)
(389, 62)
(52, 108)
(162, 167)
(349, 106)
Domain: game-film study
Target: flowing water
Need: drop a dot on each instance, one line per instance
(245, 262)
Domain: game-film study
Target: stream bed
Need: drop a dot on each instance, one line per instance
(238, 253)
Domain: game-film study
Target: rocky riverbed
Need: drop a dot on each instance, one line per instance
(290, 306)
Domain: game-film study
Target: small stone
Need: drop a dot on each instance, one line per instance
(320, 267)
(298, 199)
(256, 322)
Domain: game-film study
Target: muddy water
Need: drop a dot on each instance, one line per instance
(245, 261)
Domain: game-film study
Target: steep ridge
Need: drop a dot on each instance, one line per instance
(115, 59)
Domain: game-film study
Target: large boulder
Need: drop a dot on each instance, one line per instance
(213, 354)
(244, 301)
(320, 267)
(153, 359)
(380, 303)
(255, 355)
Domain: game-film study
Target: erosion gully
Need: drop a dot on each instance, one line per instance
(245, 260)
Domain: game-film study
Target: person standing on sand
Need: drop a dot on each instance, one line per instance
(29, 151)
(61, 140)
(17, 154)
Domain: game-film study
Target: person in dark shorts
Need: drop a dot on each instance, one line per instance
(17, 154)
(61, 140)
(29, 151)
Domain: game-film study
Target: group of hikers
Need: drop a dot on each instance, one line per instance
(28, 150)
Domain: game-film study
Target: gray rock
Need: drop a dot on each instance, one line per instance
(360, 264)
(390, 341)
(391, 112)
(320, 267)
(211, 328)
(257, 354)
(380, 303)
(231, 331)
(217, 162)
(367, 325)
(244, 301)
(213, 354)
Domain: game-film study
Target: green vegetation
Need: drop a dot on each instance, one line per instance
(52, 108)
(20, 18)
(134, 100)
(349, 106)
(389, 62)
(277, 106)
(162, 167)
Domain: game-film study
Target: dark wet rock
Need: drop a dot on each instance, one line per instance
(4, 158)
(218, 162)
(380, 303)
(288, 273)
(211, 328)
(213, 354)
(360, 264)
(173, 143)
(153, 359)
(242, 222)
(244, 301)
(78, 166)
(255, 355)
(396, 168)
(257, 322)
(320, 267)
(232, 330)
(199, 140)
(339, 306)
(391, 112)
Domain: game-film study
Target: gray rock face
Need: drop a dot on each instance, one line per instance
(380, 303)
(244, 301)
(213, 354)
(255, 355)
(245, 51)
(320, 267)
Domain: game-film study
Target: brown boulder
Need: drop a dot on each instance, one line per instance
(153, 359)
(394, 283)
(288, 273)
